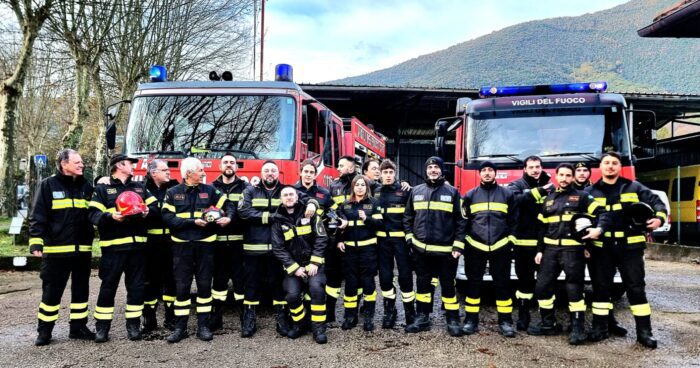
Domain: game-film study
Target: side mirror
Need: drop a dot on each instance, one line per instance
(111, 135)
(442, 127)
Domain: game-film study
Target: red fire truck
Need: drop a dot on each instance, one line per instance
(559, 123)
(257, 121)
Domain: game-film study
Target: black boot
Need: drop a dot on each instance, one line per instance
(453, 326)
(471, 324)
(80, 331)
(349, 319)
(548, 326)
(43, 336)
(330, 308)
(599, 328)
(578, 328)
(133, 329)
(389, 319)
(368, 316)
(180, 331)
(203, 331)
(420, 323)
(523, 314)
(296, 330)
(150, 323)
(169, 322)
(102, 331)
(248, 327)
(409, 312)
(282, 320)
(319, 331)
(216, 321)
(505, 324)
(644, 335)
(614, 327)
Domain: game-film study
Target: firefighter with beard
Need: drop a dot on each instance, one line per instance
(561, 248)
(392, 245)
(435, 229)
(61, 233)
(299, 244)
(228, 249)
(582, 176)
(123, 238)
(159, 281)
(491, 215)
(528, 203)
(622, 247)
(259, 264)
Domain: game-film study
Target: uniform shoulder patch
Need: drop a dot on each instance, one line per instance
(446, 198)
(419, 197)
(111, 191)
(58, 195)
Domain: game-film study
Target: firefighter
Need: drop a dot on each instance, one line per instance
(622, 247)
(360, 218)
(61, 233)
(259, 264)
(122, 241)
(307, 185)
(528, 203)
(370, 169)
(193, 238)
(392, 245)
(560, 249)
(159, 282)
(228, 249)
(582, 176)
(491, 217)
(299, 244)
(435, 230)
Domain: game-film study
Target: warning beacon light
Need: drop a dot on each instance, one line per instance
(157, 73)
(283, 73)
(543, 89)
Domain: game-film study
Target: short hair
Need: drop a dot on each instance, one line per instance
(229, 154)
(531, 158)
(288, 186)
(189, 165)
(348, 158)
(63, 156)
(307, 162)
(565, 165)
(617, 155)
(387, 164)
(153, 165)
(365, 166)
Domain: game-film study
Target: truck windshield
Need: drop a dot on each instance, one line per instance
(260, 127)
(562, 134)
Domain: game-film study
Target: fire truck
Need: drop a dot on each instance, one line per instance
(256, 121)
(559, 123)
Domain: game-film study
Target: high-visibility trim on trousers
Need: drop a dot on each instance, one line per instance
(504, 306)
(578, 306)
(601, 309)
(641, 310)
(546, 303)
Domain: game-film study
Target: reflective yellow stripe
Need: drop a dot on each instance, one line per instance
(636, 239)
(229, 237)
(423, 298)
(48, 249)
(362, 243)
(504, 306)
(489, 206)
(265, 217)
(473, 301)
(389, 294)
(49, 308)
(565, 242)
(395, 210)
(525, 242)
(600, 309)
(46, 318)
(317, 259)
(36, 241)
(371, 297)
(555, 219)
(303, 230)
(316, 318)
(408, 297)
(181, 312)
(235, 197)
(458, 244)
(601, 200)
(204, 300)
(431, 247)
(220, 202)
(318, 307)
(79, 315)
(592, 207)
(120, 241)
(486, 248)
(616, 234)
(158, 231)
(183, 303)
(536, 194)
(208, 239)
(259, 202)
(85, 248)
(598, 244)
(333, 292)
(439, 206)
(391, 234)
(579, 306)
(291, 269)
(78, 305)
(59, 204)
(641, 310)
(186, 215)
(98, 205)
(356, 223)
(546, 303)
(251, 302)
(169, 207)
(150, 200)
(377, 216)
(471, 308)
(168, 298)
(204, 309)
(629, 197)
(257, 247)
(521, 295)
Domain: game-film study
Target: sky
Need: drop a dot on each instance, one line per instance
(331, 39)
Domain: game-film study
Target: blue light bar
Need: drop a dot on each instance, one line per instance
(157, 73)
(543, 89)
(283, 73)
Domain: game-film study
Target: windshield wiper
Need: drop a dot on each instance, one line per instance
(181, 153)
(215, 149)
(511, 156)
(588, 155)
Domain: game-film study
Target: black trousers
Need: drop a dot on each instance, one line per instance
(428, 266)
(159, 281)
(359, 270)
(228, 265)
(295, 287)
(334, 269)
(193, 259)
(263, 272)
(525, 269)
(390, 249)
(630, 262)
(499, 269)
(55, 272)
(113, 264)
(572, 262)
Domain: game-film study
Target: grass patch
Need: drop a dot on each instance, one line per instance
(9, 250)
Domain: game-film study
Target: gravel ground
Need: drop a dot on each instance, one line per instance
(673, 289)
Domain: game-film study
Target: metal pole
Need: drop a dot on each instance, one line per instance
(255, 33)
(262, 37)
(678, 203)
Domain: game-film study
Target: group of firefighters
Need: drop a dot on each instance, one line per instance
(300, 242)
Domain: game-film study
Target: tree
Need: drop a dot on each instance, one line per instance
(31, 16)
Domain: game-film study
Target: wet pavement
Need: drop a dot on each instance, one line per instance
(673, 290)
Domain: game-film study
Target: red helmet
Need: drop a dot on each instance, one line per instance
(212, 214)
(129, 203)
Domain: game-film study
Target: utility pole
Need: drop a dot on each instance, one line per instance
(262, 37)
